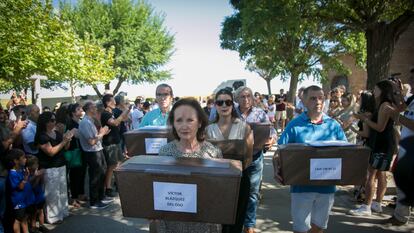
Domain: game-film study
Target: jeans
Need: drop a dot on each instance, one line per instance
(97, 169)
(254, 173)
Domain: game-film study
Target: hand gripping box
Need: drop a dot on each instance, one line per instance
(234, 149)
(261, 133)
(147, 140)
(179, 189)
(302, 164)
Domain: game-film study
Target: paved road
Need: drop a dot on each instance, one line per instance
(273, 215)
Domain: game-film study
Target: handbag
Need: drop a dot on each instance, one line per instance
(73, 157)
(380, 161)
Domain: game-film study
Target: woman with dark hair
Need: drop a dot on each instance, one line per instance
(51, 145)
(76, 171)
(228, 126)
(62, 117)
(188, 122)
(382, 141)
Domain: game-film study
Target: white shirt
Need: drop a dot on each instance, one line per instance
(406, 132)
(136, 117)
(28, 135)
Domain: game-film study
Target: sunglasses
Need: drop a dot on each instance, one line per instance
(162, 95)
(222, 102)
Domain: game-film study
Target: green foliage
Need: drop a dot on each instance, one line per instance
(287, 38)
(36, 41)
(141, 43)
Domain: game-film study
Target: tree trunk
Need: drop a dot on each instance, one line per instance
(118, 85)
(380, 46)
(72, 91)
(294, 80)
(269, 89)
(32, 90)
(97, 91)
(381, 38)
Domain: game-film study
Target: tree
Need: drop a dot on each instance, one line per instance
(280, 36)
(35, 40)
(141, 43)
(381, 21)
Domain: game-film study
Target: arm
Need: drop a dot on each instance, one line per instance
(406, 122)
(119, 120)
(102, 132)
(249, 140)
(383, 117)
(53, 150)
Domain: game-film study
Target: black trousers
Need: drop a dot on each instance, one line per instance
(241, 206)
(96, 169)
(77, 180)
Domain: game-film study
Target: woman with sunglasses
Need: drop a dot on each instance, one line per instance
(51, 146)
(228, 125)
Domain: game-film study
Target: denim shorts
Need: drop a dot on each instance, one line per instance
(307, 208)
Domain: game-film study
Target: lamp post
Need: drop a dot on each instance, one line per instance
(36, 98)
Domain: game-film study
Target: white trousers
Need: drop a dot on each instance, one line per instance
(56, 194)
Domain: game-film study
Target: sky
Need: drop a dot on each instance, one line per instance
(198, 65)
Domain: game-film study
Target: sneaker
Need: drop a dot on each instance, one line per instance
(393, 222)
(364, 210)
(109, 193)
(43, 228)
(376, 207)
(107, 200)
(99, 205)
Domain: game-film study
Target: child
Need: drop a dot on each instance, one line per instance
(20, 189)
(36, 180)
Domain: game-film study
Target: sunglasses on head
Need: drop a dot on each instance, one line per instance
(221, 102)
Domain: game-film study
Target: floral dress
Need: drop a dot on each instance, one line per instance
(207, 150)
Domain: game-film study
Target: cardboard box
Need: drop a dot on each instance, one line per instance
(306, 165)
(234, 149)
(261, 133)
(179, 189)
(147, 140)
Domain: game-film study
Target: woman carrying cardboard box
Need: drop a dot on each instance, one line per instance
(188, 122)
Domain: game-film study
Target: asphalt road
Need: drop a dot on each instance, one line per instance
(273, 214)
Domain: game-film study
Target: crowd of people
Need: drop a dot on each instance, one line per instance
(46, 157)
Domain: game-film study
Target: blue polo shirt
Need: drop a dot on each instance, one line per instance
(301, 130)
(154, 118)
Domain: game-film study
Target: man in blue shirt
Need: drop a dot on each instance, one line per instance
(310, 205)
(158, 117)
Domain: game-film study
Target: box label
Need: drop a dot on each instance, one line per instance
(175, 197)
(153, 145)
(325, 169)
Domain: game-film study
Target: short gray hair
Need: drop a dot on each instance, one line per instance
(242, 89)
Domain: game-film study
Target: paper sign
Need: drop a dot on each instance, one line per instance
(325, 169)
(153, 145)
(175, 197)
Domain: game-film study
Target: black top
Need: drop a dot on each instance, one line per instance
(279, 99)
(46, 161)
(122, 127)
(112, 137)
(74, 143)
(385, 141)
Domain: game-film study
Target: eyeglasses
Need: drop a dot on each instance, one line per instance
(52, 120)
(162, 95)
(222, 102)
